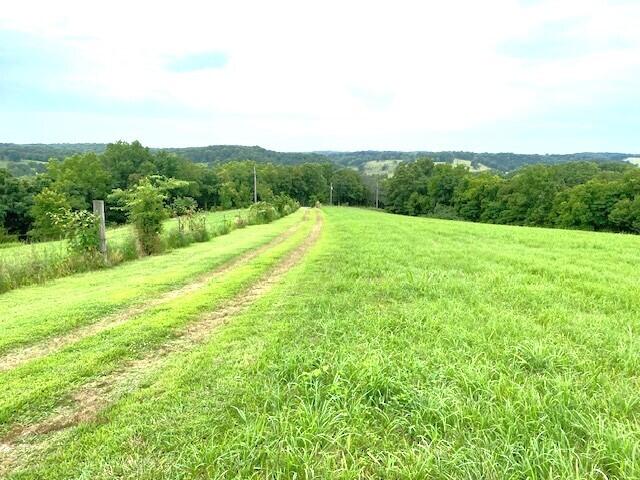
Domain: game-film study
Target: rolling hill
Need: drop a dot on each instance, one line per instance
(27, 159)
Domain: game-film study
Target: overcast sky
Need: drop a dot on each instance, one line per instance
(494, 75)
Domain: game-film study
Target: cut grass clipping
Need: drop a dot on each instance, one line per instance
(398, 348)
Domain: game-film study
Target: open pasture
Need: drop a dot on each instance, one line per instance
(351, 344)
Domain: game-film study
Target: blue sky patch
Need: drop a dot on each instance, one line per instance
(199, 61)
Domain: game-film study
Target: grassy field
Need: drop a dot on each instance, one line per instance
(385, 347)
(115, 236)
(23, 264)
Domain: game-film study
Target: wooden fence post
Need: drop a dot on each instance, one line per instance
(98, 210)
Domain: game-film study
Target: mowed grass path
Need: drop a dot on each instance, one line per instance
(400, 348)
(36, 312)
(32, 390)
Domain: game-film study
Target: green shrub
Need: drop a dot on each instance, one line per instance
(81, 229)
(145, 207)
(197, 226)
(176, 238)
(184, 208)
(240, 222)
(124, 251)
(261, 212)
(285, 205)
(6, 239)
(44, 264)
(224, 228)
(46, 206)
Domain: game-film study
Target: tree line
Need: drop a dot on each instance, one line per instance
(16, 156)
(28, 203)
(585, 195)
(581, 195)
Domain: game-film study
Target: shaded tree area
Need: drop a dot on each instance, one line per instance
(27, 203)
(582, 195)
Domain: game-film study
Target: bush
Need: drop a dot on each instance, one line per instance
(285, 205)
(197, 225)
(81, 229)
(224, 228)
(44, 264)
(176, 238)
(46, 205)
(240, 222)
(184, 208)
(145, 208)
(192, 227)
(124, 251)
(262, 212)
(6, 238)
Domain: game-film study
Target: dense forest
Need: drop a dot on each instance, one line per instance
(583, 195)
(73, 182)
(14, 156)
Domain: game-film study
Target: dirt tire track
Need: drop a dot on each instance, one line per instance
(16, 358)
(88, 401)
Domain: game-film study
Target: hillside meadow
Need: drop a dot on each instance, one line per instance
(23, 264)
(333, 343)
(17, 252)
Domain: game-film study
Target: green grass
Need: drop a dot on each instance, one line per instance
(33, 313)
(23, 264)
(400, 348)
(51, 377)
(115, 236)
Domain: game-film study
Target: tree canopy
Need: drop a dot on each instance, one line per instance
(584, 195)
(73, 182)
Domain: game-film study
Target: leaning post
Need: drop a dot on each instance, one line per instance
(98, 211)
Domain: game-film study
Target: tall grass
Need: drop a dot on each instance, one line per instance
(42, 262)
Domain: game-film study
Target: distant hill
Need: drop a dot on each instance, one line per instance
(29, 158)
(499, 161)
(25, 159)
(215, 154)
(42, 152)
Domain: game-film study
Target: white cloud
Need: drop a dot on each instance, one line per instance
(313, 74)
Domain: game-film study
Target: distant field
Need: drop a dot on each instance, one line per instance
(23, 167)
(387, 167)
(340, 343)
(380, 167)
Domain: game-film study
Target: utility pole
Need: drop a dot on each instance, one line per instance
(331, 193)
(98, 211)
(255, 186)
(377, 192)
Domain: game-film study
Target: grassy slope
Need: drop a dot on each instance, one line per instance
(31, 390)
(32, 313)
(402, 348)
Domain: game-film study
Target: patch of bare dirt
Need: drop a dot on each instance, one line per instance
(86, 403)
(50, 345)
